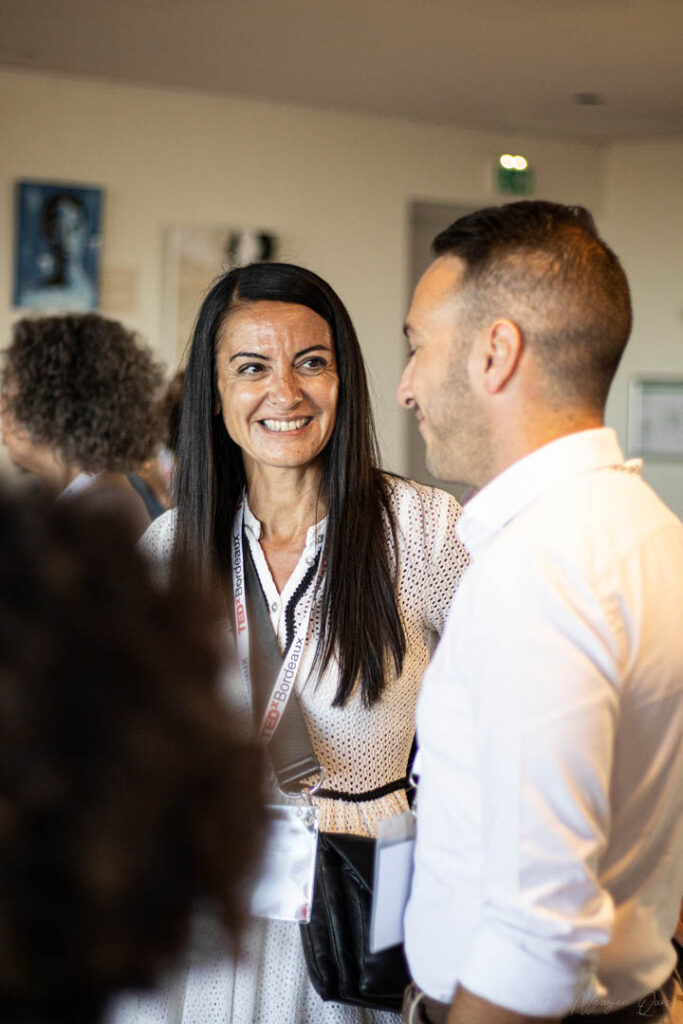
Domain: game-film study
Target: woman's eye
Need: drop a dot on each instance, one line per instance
(250, 369)
(313, 363)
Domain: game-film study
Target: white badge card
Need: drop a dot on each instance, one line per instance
(284, 889)
(393, 876)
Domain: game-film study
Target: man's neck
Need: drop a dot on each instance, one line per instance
(536, 431)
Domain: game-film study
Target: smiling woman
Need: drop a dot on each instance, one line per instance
(274, 346)
(278, 463)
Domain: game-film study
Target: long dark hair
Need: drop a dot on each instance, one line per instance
(363, 627)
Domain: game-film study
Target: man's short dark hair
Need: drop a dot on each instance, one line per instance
(544, 266)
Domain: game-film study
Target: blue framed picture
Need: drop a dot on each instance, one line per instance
(57, 247)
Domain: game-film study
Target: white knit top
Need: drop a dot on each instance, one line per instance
(361, 749)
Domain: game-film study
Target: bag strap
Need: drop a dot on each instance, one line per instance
(290, 750)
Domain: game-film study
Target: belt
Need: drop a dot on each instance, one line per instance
(418, 1008)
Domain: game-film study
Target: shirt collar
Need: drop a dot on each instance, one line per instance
(521, 483)
(78, 484)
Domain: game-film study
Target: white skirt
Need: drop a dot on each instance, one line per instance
(269, 984)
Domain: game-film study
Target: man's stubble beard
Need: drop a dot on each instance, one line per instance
(460, 451)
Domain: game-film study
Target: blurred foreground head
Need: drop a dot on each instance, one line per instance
(124, 795)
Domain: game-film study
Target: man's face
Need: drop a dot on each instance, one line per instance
(436, 381)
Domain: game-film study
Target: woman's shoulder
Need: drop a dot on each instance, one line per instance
(410, 498)
(158, 540)
(426, 519)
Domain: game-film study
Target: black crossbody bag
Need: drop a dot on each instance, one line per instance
(336, 940)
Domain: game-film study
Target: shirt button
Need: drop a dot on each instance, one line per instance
(310, 561)
(274, 606)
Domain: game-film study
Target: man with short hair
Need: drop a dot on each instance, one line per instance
(549, 857)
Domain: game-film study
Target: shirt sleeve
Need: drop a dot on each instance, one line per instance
(543, 676)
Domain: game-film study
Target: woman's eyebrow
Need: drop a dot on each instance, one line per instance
(249, 355)
(265, 358)
(312, 348)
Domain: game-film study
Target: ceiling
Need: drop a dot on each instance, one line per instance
(512, 65)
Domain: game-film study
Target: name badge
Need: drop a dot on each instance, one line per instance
(393, 876)
(284, 889)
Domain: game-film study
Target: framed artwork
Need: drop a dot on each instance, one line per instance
(193, 258)
(57, 246)
(655, 419)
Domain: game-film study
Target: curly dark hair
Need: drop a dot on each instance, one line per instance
(124, 795)
(86, 387)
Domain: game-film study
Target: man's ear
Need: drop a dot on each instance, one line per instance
(501, 350)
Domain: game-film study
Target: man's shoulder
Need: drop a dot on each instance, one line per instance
(586, 527)
(614, 506)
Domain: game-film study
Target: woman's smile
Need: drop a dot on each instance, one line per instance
(286, 426)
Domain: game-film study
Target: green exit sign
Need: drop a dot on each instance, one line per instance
(514, 176)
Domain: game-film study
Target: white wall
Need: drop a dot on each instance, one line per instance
(642, 219)
(335, 188)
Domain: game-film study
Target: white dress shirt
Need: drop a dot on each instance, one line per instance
(549, 858)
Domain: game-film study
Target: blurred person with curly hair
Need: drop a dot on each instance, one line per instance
(79, 404)
(125, 799)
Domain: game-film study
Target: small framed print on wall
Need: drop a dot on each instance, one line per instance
(655, 419)
(57, 249)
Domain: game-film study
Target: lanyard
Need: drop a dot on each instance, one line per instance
(284, 682)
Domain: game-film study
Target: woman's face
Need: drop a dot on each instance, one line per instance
(277, 382)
